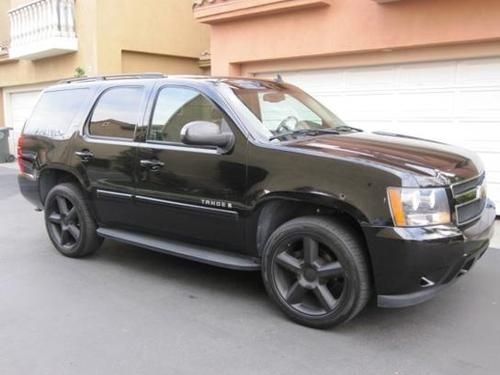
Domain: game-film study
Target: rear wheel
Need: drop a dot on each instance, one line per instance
(316, 270)
(69, 223)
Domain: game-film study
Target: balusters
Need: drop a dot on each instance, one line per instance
(42, 20)
(44, 32)
(13, 27)
(62, 17)
(54, 19)
(71, 18)
(37, 21)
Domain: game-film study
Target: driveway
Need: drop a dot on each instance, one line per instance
(131, 311)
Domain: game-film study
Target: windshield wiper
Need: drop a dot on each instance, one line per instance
(347, 128)
(305, 132)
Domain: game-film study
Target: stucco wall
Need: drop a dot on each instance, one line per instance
(133, 62)
(352, 26)
(4, 20)
(149, 26)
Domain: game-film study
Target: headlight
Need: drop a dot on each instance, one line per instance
(418, 207)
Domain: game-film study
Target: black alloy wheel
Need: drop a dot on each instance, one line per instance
(64, 222)
(316, 270)
(70, 225)
(309, 276)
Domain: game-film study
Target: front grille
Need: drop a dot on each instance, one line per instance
(467, 185)
(470, 211)
(469, 199)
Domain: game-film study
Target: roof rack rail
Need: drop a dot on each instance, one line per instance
(114, 76)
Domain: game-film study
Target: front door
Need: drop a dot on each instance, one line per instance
(185, 192)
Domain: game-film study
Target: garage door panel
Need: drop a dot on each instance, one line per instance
(494, 192)
(490, 161)
(425, 104)
(479, 103)
(493, 178)
(373, 77)
(312, 82)
(478, 72)
(482, 133)
(440, 74)
(20, 104)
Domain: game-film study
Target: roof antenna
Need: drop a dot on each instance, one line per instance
(279, 78)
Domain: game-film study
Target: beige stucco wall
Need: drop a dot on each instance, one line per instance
(150, 26)
(133, 62)
(349, 27)
(4, 20)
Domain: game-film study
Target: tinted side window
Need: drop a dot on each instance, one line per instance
(116, 113)
(55, 112)
(175, 107)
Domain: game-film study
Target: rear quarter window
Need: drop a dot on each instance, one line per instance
(55, 112)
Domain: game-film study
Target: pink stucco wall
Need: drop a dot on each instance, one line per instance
(351, 26)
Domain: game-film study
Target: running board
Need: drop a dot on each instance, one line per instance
(197, 253)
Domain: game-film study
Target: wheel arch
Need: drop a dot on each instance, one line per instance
(276, 209)
(54, 175)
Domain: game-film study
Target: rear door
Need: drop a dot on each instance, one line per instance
(106, 152)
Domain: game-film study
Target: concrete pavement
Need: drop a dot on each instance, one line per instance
(130, 311)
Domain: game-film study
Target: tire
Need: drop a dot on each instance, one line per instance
(11, 158)
(69, 223)
(316, 270)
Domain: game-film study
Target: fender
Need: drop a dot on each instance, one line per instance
(47, 168)
(316, 198)
(273, 209)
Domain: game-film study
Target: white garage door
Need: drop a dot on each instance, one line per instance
(457, 102)
(19, 106)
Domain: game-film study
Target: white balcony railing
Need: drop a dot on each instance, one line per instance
(43, 28)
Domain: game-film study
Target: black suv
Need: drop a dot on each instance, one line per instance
(254, 174)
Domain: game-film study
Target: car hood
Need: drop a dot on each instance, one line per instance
(429, 163)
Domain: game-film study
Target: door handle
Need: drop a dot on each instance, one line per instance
(85, 155)
(152, 164)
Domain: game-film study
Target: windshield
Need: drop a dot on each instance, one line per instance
(283, 111)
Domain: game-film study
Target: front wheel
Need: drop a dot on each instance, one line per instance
(69, 222)
(316, 270)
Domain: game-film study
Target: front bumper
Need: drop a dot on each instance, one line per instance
(412, 265)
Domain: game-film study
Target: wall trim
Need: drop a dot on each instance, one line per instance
(371, 58)
(237, 9)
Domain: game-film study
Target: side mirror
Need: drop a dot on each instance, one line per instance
(205, 133)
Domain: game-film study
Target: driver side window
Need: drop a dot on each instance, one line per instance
(177, 106)
(274, 112)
